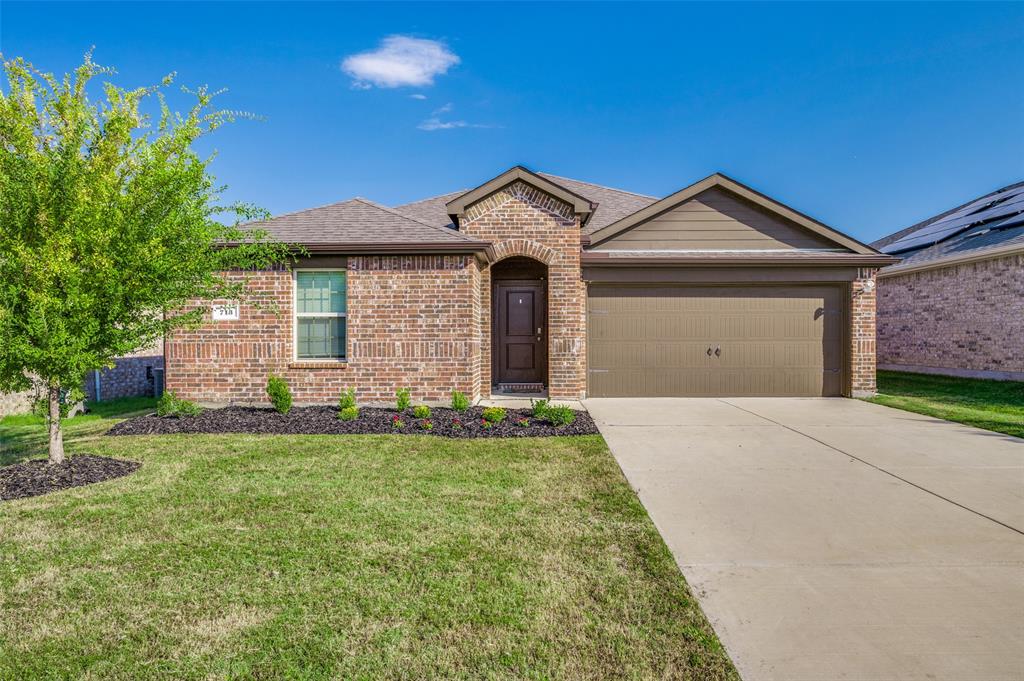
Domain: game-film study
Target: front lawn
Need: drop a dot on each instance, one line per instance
(309, 556)
(992, 405)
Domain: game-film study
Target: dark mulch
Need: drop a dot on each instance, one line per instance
(39, 476)
(372, 421)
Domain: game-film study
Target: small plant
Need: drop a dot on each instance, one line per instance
(421, 411)
(397, 423)
(347, 399)
(402, 399)
(460, 402)
(279, 394)
(456, 424)
(349, 413)
(170, 405)
(539, 407)
(427, 424)
(522, 422)
(487, 425)
(494, 414)
(560, 416)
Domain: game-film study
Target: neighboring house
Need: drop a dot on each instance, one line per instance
(955, 302)
(536, 283)
(139, 374)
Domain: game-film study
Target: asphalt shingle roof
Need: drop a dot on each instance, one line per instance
(356, 221)
(612, 204)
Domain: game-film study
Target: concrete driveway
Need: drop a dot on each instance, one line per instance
(836, 539)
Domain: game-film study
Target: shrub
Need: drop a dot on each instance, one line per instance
(494, 414)
(350, 413)
(523, 422)
(456, 424)
(347, 399)
(559, 416)
(397, 422)
(402, 399)
(421, 411)
(539, 407)
(460, 402)
(170, 405)
(279, 394)
(486, 424)
(427, 424)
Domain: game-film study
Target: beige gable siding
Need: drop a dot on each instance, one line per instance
(715, 219)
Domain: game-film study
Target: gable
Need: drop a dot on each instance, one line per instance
(716, 219)
(519, 183)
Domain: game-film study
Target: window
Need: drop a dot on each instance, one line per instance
(320, 314)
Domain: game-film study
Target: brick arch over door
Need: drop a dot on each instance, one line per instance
(523, 247)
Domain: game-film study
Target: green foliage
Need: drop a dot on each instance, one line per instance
(350, 413)
(170, 405)
(427, 424)
(539, 407)
(402, 399)
(494, 414)
(460, 402)
(559, 416)
(111, 222)
(421, 411)
(348, 399)
(279, 394)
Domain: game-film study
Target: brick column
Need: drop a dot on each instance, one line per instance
(862, 333)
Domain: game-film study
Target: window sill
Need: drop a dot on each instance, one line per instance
(319, 364)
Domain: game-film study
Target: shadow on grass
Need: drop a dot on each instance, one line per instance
(24, 436)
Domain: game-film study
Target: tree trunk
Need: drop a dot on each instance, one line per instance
(56, 435)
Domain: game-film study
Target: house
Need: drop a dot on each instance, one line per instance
(955, 302)
(534, 283)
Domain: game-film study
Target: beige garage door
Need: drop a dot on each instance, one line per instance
(676, 341)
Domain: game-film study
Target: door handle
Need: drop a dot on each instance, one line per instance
(709, 351)
(718, 351)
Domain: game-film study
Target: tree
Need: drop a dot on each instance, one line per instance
(110, 225)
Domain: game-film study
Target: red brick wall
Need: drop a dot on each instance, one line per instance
(862, 334)
(966, 319)
(411, 322)
(522, 220)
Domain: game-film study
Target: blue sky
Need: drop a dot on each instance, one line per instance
(868, 117)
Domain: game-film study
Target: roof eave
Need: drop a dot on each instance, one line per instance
(582, 206)
(951, 260)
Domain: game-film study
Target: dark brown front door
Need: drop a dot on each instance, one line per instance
(520, 346)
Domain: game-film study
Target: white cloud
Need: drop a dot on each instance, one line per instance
(443, 109)
(417, 96)
(435, 123)
(400, 61)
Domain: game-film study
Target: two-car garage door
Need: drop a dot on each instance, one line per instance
(668, 341)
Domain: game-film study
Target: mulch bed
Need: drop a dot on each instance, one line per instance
(371, 421)
(39, 476)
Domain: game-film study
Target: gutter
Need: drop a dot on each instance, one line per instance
(840, 260)
(950, 261)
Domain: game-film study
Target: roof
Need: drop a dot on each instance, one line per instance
(990, 224)
(361, 222)
(610, 204)
(741, 190)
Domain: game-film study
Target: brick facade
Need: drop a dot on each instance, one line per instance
(964, 319)
(424, 321)
(521, 220)
(410, 325)
(862, 333)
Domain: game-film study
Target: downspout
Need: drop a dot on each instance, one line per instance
(96, 383)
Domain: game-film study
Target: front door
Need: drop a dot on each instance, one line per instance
(520, 346)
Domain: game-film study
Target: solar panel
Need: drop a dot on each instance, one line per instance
(1009, 204)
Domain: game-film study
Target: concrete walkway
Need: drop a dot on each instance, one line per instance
(836, 539)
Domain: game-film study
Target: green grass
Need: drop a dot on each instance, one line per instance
(992, 405)
(359, 557)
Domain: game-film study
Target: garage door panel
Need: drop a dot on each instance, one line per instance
(771, 340)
